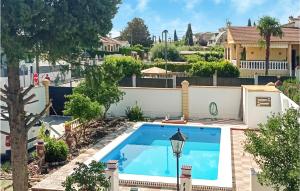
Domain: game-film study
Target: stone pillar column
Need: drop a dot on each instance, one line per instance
(186, 178)
(238, 55)
(133, 80)
(68, 133)
(113, 174)
(231, 52)
(289, 59)
(40, 150)
(185, 99)
(174, 80)
(256, 79)
(46, 84)
(215, 78)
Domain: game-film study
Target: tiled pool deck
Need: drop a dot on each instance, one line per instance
(241, 162)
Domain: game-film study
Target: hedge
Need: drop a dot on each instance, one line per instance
(158, 51)
(223, 68)
(211, 56)
(128, 64)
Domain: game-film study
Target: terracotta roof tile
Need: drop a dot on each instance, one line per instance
(251, 34)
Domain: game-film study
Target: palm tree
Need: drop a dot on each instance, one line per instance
(268, 26)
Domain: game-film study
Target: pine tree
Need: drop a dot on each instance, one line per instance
(175, 36)
(254, 24)
(136, 32)
(249, 22)
(189, 36)
(159, 40)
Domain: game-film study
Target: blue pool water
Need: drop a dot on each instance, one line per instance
(148, 152)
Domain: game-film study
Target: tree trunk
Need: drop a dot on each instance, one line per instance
(267, 55)
(17, 128)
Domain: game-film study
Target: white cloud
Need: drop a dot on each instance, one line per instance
(114, 33)
(241, 6)
(191, 4)
(285, 8)
(142, 5)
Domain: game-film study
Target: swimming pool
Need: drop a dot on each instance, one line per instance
(146, 153)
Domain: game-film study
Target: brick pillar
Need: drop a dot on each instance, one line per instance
(68, 133)
(186, 178)
(46, 84)
(185, 99)
(40, 150)
(113, 174)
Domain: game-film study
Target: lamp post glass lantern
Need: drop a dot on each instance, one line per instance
(177, 142)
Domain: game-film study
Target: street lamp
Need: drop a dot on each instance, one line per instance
(166, 40)
(177, 142)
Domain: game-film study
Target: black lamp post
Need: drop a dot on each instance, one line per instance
(177, 142)
(166, 42)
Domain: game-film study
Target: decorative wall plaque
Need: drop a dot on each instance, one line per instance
(263, 101)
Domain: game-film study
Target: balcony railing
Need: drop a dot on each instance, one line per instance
(260, 65)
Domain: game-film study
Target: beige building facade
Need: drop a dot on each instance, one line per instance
(244, 50)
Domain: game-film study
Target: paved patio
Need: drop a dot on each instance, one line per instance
(241, 162)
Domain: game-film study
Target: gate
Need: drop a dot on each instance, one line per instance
(57, 95)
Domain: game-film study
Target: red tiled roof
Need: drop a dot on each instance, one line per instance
(251, 34)
(109, 40)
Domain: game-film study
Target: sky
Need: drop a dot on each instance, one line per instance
(204, 15)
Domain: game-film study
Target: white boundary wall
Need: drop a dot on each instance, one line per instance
(26, 80)
(228, 100)
(155, 102)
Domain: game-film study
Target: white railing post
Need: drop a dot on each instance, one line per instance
(113, 175)
(186, 178)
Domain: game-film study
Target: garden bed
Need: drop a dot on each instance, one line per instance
(94, 133)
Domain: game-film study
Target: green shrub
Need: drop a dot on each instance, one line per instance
(191, 48)
(128, 64)
(56, 151)
(134, 113)
(224, 69)
(211, 56)
(158, 51)
(217, 48)
(6, 167)
(193, 58)
(89, 177)
(291, 88)
(136, 48)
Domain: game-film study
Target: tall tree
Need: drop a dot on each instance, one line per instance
(268, 26)
(175, 36)
(56, 29)
(249, 22)
(254, 24)
(189, 36)
(136, 32)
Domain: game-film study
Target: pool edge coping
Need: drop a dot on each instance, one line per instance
(225, 172)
